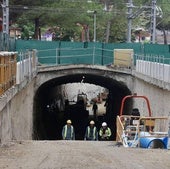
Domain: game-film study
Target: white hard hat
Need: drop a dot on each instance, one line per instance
(68, 121)
(92, 122)
(104, 124)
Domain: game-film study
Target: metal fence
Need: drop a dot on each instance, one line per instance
(97, 56)
(59, 52)
(7, 43)
(26, 66)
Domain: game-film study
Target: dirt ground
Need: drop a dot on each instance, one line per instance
(80, 155)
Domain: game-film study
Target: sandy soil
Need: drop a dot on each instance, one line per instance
(80, 155)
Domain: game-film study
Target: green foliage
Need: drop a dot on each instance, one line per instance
(164, 21)
(64, 16)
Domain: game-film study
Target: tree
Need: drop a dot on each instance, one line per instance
(62, 14)
(67, 17)
(163, 23)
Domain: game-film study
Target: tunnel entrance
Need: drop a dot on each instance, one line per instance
(52, 107)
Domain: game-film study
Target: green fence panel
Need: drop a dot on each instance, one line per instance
(7, 43)
(157, 53)
(73, 53)
(80, 53)
(59, 52)
(96, 52)
(157, 49)
(107, 53)
(46, 49)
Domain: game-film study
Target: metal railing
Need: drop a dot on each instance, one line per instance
(26, 66)
(136, 131)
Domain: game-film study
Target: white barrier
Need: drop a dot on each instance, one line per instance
(155, 70)
(26, 68)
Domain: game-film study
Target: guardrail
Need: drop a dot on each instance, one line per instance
(26, 66)
(155, 67)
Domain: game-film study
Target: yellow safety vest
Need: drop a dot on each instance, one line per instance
(65, 131)
(94, 132)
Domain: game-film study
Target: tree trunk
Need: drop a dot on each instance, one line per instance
(36, 33)
(108, 31)
(165, 37)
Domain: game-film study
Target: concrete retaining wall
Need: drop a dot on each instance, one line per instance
(16, 117)
(158, 97)
(16, 107)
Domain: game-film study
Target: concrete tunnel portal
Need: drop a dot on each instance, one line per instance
(47, 125)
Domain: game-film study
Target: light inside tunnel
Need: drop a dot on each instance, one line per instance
(49, 118)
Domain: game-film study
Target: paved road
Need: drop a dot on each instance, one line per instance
(80, 155)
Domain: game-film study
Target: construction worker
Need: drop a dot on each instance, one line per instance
(104, 132)
(91, 132)
(95, 109)
(68, 131)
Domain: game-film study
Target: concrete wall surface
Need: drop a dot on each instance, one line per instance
(16, 117)
(16, 106)
(158, 98)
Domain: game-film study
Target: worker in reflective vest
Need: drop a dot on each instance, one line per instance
(68, 131)
(104, 132)
(91, 132)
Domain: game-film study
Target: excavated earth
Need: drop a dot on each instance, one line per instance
(80, 155)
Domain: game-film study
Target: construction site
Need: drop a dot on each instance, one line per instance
(88, 104)
(141, 142)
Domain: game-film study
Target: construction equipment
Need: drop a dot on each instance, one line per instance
(144, 132)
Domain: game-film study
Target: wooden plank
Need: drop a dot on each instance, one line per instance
(7, 70)
(123, 57)
(150, 122)
(2, 74)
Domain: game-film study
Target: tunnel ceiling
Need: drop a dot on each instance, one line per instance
(88, 78)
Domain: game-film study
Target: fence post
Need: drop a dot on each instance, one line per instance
(30, 65)
(93, 54)
(102, 53)
(56, 56)
(58, 52)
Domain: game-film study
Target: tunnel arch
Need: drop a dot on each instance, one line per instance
(49, 126)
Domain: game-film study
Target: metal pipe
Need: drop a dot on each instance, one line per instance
(135, 96)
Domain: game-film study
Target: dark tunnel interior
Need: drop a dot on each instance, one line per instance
(48, 125)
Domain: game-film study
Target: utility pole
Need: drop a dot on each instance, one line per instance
(137, 13)
(5, 27)
(130, 5)
(94, 32)
(153, 21)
